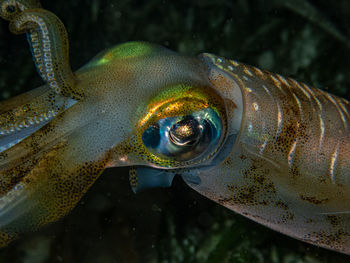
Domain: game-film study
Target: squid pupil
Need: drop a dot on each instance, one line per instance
(186, 132)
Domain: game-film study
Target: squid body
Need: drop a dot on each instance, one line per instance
(268, 147)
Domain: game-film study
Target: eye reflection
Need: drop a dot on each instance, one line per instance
(184, 138)
(186, 132)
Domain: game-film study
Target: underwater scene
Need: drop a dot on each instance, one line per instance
(307, 40)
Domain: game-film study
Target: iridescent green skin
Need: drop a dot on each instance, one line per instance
(57, 139)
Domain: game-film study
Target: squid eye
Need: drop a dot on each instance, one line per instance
(184, 138)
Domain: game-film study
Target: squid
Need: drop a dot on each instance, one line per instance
(268, 147)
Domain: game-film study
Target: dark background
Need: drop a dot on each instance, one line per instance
(307, 40)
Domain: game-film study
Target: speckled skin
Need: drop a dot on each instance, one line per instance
(286, 170)
(45, 174)
(289, 167)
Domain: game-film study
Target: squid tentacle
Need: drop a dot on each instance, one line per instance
(48, 40)
(49, 190)
(28, 113)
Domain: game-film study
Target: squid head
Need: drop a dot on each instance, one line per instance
(178, 122)
(139, 105)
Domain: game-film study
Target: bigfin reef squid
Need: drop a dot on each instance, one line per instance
(265, 146)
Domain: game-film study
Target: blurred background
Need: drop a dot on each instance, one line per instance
(307, 40)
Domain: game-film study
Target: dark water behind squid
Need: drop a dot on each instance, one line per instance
(302, 39)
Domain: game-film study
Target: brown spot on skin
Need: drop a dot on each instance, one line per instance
(295, 172)
(251, 171)
(224, 200)
(243, 157)
(309, 221)
(334, 220)
(253, 194)
(313, 200)
(247, 195)
(10, 177)
(260, 178)
(286, 138)
(332, 240)
(243, 195)
(264, 203)
(281, 205)
(270, 188)
(288, 216)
